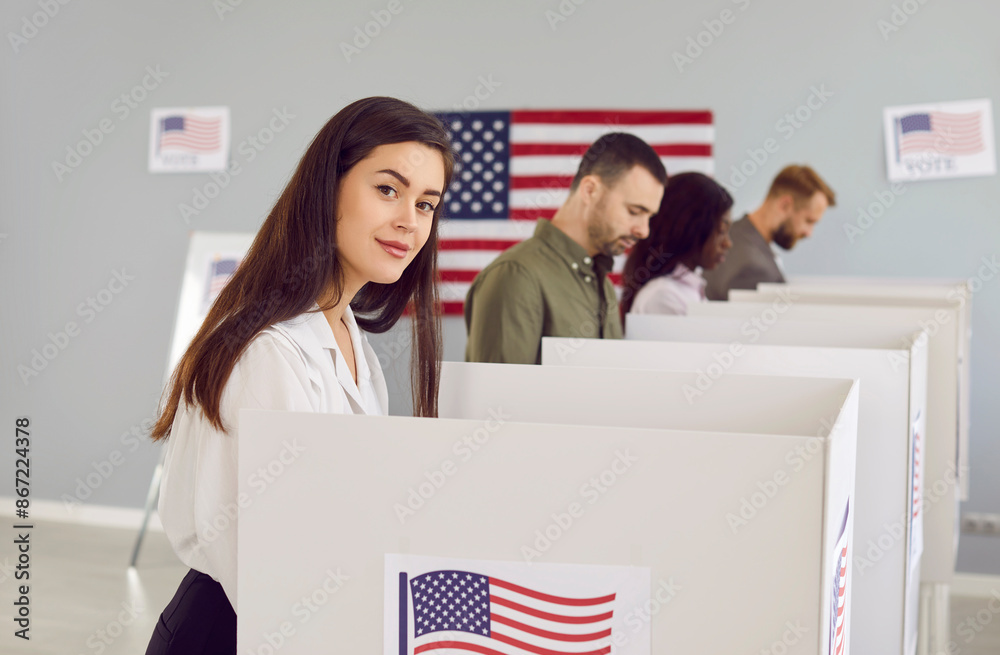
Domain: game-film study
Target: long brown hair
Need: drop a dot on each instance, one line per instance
(691, 210)
(293, 262)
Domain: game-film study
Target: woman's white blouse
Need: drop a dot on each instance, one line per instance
(295, 365)
(671, 293)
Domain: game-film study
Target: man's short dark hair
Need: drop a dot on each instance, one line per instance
(614, 154)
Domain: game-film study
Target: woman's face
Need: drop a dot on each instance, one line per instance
(385, 211)
(714, 250)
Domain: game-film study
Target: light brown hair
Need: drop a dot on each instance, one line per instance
(802, 183)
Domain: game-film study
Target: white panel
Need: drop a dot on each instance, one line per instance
(892, 382)
(641, 398)
(942, 467)
(336, 507)
(948, 294)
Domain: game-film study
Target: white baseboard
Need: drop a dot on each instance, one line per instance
(104, 516)
(975, 585)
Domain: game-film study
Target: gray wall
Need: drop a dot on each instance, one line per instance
(64, 239)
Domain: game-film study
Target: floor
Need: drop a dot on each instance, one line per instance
(84, 600)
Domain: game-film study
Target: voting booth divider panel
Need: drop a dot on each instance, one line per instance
(638, 398)
(953, 296)
(785, 332)
(952, 303)
(494, 487)
(892, 397)
(940, 465)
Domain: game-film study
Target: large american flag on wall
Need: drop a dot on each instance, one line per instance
(514, 167)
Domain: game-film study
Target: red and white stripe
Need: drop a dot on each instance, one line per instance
(546, 148)
(525, 621)
(217, 284)
(840, 634)
(199, 135)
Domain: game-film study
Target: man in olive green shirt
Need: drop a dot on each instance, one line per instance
(555, 284)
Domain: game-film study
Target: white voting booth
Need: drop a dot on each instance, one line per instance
(889, 292)
(941, 465)
(893, 391)
(325, 498)
(686, 519)
(951, 296)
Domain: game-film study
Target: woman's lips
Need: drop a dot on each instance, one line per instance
(394, 248)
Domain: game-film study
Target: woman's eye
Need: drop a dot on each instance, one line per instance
(386, 190)
(426, 206)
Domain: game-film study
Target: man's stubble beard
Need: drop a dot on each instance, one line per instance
(600, 234)
(784, 236)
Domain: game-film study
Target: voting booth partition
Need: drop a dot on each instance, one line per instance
(893, 390)
(740, 519)
(888, 292)
(698, 517)
(952, 297)
(941, 466)
(786, 332)
(942, 469)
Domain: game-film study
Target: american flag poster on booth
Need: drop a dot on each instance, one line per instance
(916, 522)
(515, 167)
(840, 596)
(948, 139)
(220, 270)
(188, 139)
(435, 604)
(212, 259)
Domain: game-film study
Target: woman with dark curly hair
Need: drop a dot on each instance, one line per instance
(689, 234)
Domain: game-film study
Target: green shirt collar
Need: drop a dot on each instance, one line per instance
(570, 251)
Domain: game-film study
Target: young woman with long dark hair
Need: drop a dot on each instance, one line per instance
(690, 233)
(355, 230)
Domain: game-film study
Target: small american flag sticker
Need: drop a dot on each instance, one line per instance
(189, 139)
(221, 269)
(511, 608)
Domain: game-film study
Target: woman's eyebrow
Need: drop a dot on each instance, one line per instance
(405, 182)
